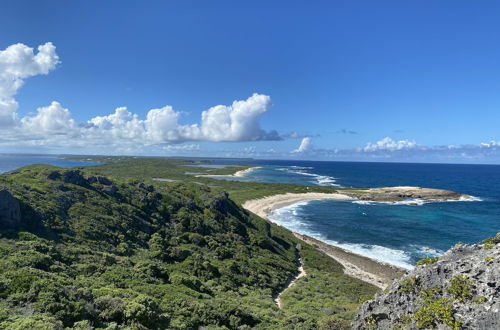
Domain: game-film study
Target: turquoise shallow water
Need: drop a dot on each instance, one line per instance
(399, 234)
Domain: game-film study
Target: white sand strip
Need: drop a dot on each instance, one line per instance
(264, 206)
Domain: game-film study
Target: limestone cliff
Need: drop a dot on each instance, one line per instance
(460, 290)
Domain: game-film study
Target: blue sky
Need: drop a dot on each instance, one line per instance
(360, 80)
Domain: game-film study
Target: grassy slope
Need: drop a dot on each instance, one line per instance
(141, 260)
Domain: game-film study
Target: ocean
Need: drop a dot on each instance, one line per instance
(9, 162)
(401, 233)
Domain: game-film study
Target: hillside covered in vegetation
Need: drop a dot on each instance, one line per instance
(109, 248)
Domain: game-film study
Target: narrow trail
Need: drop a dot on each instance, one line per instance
(291, 283)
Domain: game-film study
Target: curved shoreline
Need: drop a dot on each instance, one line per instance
(264, 206)
(366, 269)
(237, 174)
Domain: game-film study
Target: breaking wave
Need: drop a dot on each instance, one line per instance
(320, 180)
(418, 201)
(289, 218)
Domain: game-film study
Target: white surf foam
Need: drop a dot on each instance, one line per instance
(469, 199)
(289, 217)
(302, 167)
(419, 201)
(426, 251)
(320, 180)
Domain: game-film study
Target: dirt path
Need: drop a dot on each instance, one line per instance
(291, 283)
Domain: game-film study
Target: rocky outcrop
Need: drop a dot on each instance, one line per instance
(54, 175)
(110, 190)
(148, 188)
(74, 177)
(104, 181)
(396, 194)
(10, 210)
(92, 179)
(220, 203)
(460, 290)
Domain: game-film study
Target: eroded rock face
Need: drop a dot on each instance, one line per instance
(92, 179)
(111, 190)
(54, 175)
(10, 210)
(461, 288)
(148, 188)
(104, 181)
(74, 177)
(220, 203)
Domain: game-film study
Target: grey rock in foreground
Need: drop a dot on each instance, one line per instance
(461, 290)
(10, 212)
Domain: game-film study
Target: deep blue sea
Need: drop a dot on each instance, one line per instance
(399, 234)
(9, 162)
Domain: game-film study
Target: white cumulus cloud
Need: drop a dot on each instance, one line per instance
(490, 144)
(390, 145)
(305, 145)
(53, 119)
(239, 121)
(18, 62)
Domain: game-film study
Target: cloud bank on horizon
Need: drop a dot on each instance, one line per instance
(388, 149)
(53, 125)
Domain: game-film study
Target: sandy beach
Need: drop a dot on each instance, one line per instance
(237, 174)
(263, 206)
(244, 172)
(372, 271)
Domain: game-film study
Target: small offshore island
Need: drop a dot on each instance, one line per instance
(143, 243)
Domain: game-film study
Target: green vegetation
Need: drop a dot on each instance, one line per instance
(109, 248)
(147, 169)
(326, 293)
(434, 312)
(490, 242)
(460, 288)
(370, 321)
(402, 323)
(427, 261)
(435, 307)
(479, 300)
(408, 285)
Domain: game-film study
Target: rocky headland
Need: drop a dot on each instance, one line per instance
(459, 290)
(402, 193)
